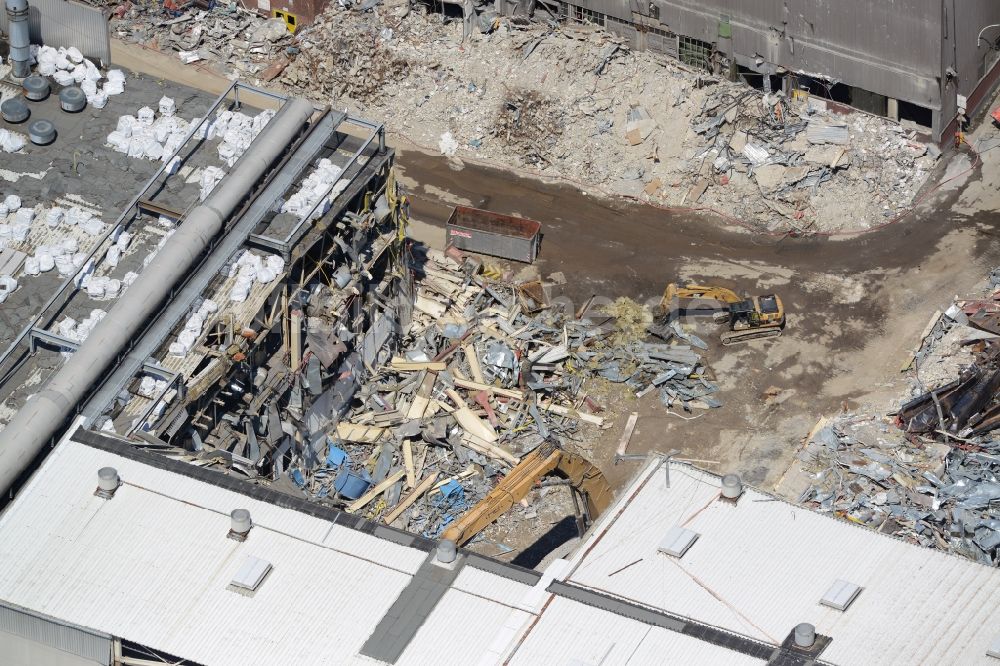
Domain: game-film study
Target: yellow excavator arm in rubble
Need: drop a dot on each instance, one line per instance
(692, 291)
(582, 475)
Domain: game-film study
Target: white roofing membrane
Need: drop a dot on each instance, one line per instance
(761, 566)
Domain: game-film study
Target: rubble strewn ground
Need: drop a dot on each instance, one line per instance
(572, 102)
(932, 473)
(487, 373)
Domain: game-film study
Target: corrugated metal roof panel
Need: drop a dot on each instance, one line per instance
(568, 630)
(761, 566)
(153, 565)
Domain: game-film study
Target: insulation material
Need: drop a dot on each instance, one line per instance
(315, 187)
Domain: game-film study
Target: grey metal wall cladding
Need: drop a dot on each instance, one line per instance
(66, 23)
(82, 642)
(666, 44)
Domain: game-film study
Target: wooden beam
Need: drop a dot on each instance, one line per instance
(627, 434)
(487, 449)
(411, 480)
(402, 365)
(414, 495)
(470, 423)
(495, 390)
(566, 411)
(352, 432)
(470, 356)
(380, 488)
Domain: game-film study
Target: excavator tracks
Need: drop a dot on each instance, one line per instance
(739, 337)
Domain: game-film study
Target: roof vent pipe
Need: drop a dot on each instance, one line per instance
(805, 635)
(732, 486)
(42, 132)
(447, 551)
(240, 524)
(107, 482)
(14, 110)
(20, 41)
(36, 88)
(72, 99)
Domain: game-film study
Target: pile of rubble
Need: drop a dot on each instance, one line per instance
(568, 101)
(933, 476)
(485, 375)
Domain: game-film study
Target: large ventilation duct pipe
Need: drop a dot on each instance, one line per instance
(20, 40)
(41, 417)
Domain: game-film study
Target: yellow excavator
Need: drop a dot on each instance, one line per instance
(749, 318)
(548, 457)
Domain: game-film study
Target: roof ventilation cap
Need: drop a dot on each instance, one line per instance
(240, 524)
(250, 575)
(805, 635)
(447, 551)
(72, 99)
(840, 595)
(732, 487)
(36, 88)
(14, 110)
(42, 132)
(677, 541)
(107, 482)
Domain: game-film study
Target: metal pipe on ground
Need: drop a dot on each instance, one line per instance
(20, 40)
(39, 420)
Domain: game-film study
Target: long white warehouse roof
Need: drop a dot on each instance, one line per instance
(760, 566)
(153, 565)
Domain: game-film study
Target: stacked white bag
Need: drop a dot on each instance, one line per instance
(249, 268)
(67, 67)
(315, 186)
(193, 328)
(149, 137)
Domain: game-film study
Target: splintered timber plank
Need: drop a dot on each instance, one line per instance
(470, 423)
(627, 434)
(380, 488)
(360, 433)
(414, 495)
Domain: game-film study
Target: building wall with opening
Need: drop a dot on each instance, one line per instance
(891, 49)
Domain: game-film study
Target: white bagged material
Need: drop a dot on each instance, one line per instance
(74, 55)
(116, 75)
(93, 227)
(79, 73)
(69, 245)
(47, 68)
(129, 278)
(78, 259)
(54, 217)
(95, 287)
(123, 240)
(62, 62)
(113, 256)
(64, 264)
(13, 203)
(177, 349)
(275, 263)
(112, 288)
(19, 231)
(187, 338)
(3, 210)
(67, 328)
(24, 215)
(8, 286)
(86, 271)
(125, 124)
(4, 232)
(89, 87)
(45, 261)
(98, 100)
(167, 106)
(207, 307)
(145, 116)
(31, 266)
(241, 290)
(63, 78)
(11, 142)
(210, 177)
(265, 275)
(147, 387)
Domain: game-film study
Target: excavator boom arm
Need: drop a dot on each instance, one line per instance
(582, 475)
(700, 292)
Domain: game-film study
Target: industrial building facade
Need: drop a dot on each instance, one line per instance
(917, 60)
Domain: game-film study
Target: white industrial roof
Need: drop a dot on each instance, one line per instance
(760, 566)
(153, 565)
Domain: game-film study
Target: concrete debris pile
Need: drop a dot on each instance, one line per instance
(242, 42)
(809, 165)
(486, 374)
(926, 492)
(572, 101)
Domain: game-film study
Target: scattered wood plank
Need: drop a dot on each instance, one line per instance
(566, 411)
(352, 432)
(627, 434)
(470, 471)
(427, 306)
(488, 449)
(377, 490)
(411, 480)
(414, 495)
(470, 423)
(495, 390)
(473, 359)
(402, 365)
(422, 398)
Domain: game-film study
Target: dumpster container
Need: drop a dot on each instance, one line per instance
(486, 232)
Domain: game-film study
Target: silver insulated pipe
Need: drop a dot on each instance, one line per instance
(41, 417)
(20, 40)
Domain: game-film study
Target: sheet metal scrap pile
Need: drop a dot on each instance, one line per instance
(938, 484)
(480, 382)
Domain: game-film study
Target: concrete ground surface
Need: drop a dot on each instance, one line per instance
(856, 304)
